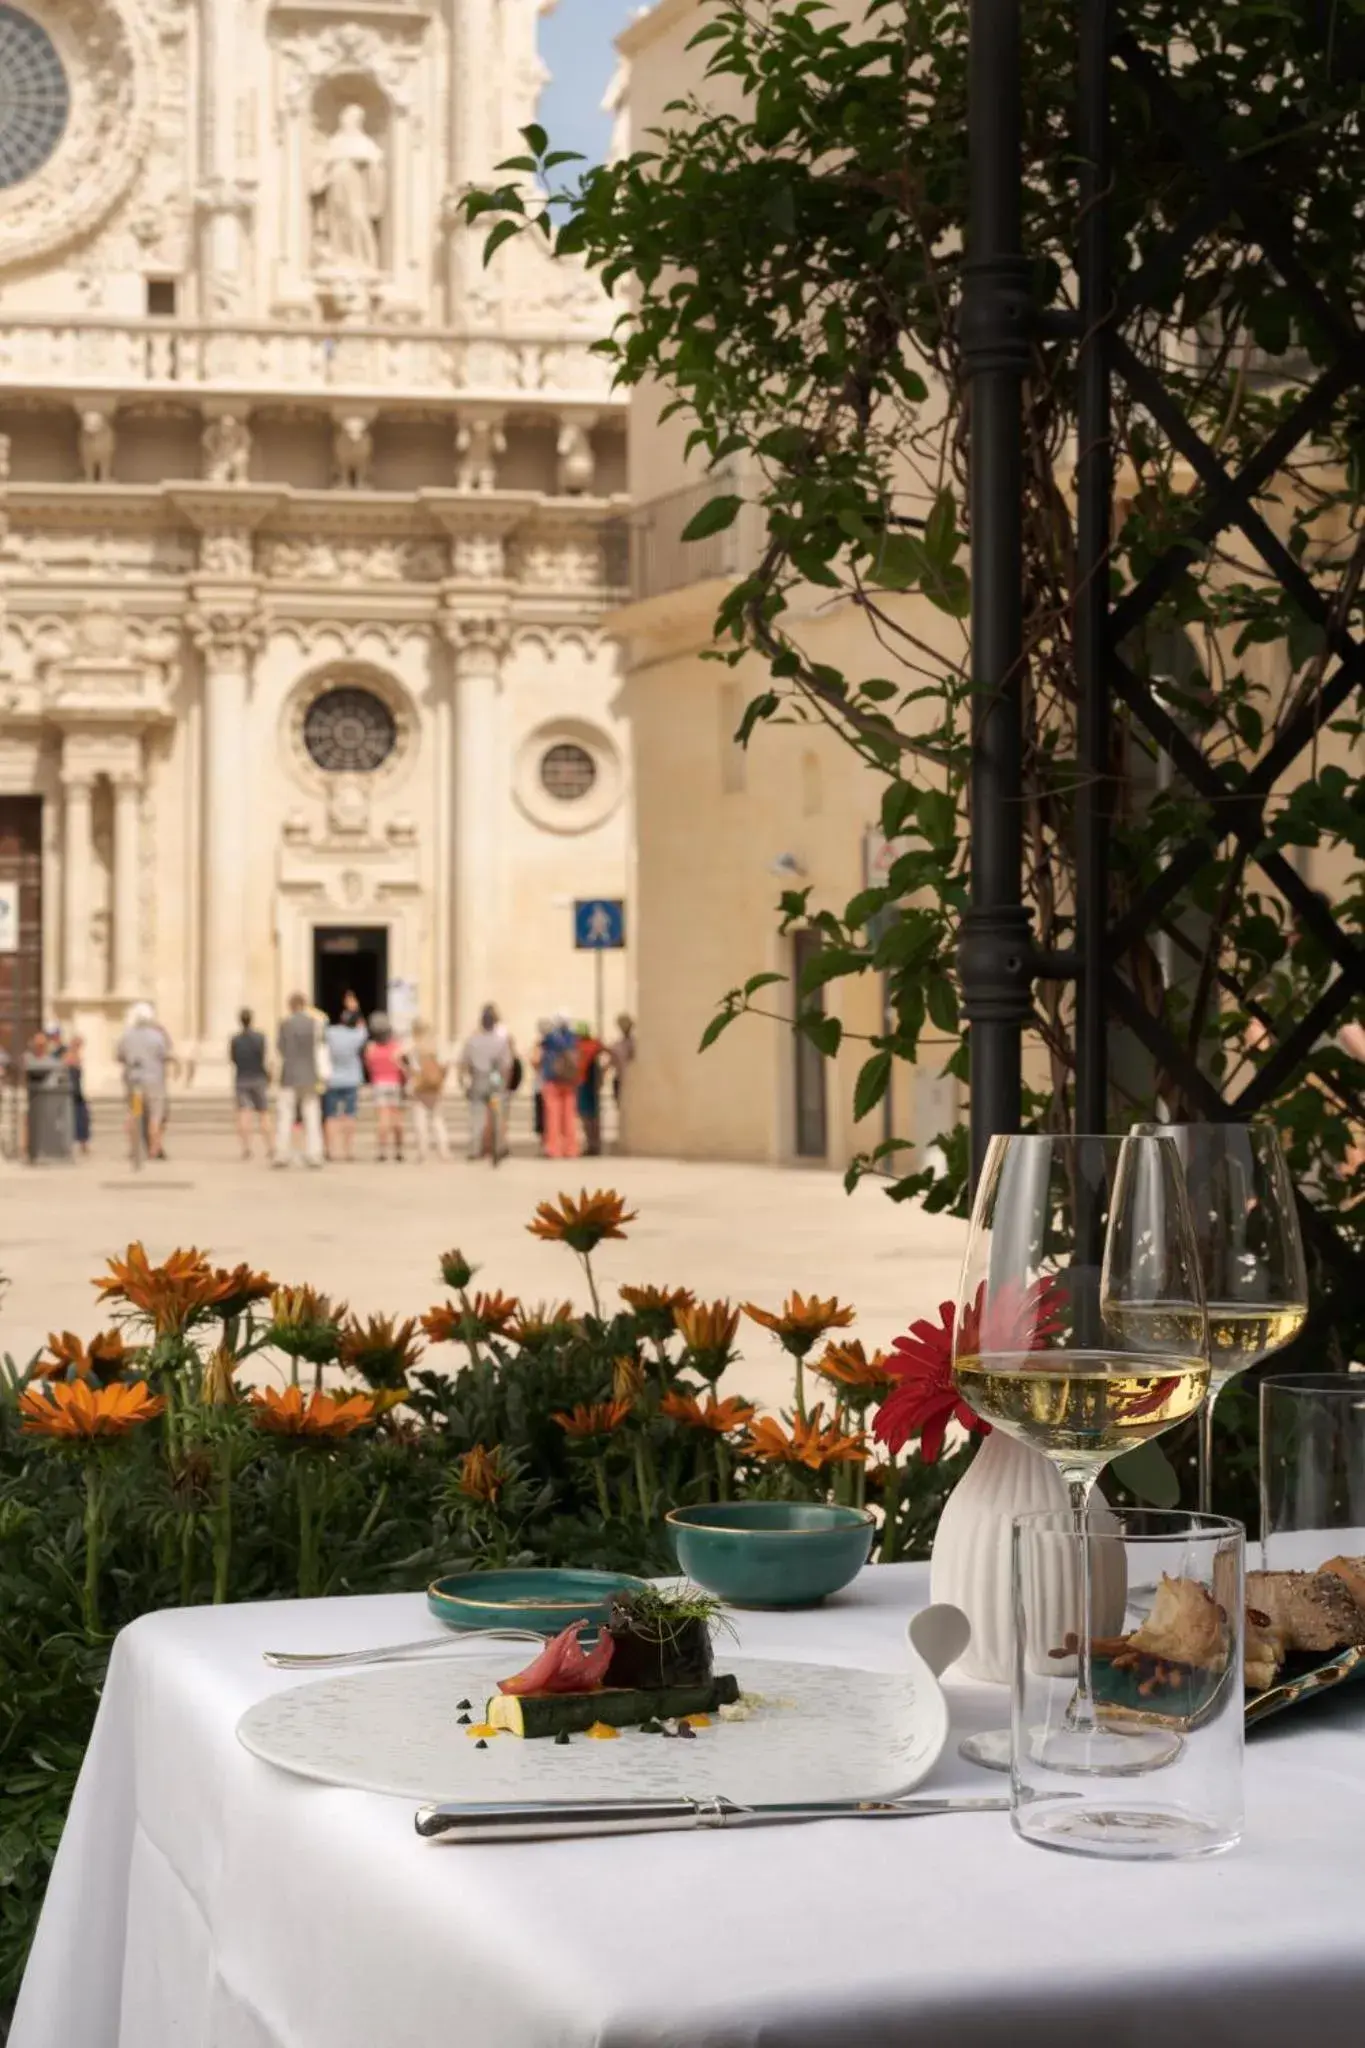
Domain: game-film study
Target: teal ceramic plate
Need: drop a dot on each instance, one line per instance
(1304, 1679)
(544, 1600)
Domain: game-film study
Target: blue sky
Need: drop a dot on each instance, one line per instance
(575, 42)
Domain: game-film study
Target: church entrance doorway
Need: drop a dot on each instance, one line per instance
(350, 959)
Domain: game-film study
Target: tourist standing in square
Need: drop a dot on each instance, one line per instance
(386, 1070)
(559, 1089)
(251, 1083)
(299, 1100)
(426, 1082)
(345, 1051)
(486, 1070)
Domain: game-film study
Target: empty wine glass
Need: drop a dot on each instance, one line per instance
(1081, 1329)
(1246, 1225)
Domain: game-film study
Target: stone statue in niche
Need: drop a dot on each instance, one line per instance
(226, 444)
(478, 444)
(577, 464)
(349, 196)
(95, 442)
(352, 451)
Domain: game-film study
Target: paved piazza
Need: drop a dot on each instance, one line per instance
(372, 1233)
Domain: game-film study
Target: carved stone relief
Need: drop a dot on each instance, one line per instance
(314, 559)
(95, 444)
(352, 451)
(478, 444)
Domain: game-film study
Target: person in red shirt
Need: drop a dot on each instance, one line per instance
(386, 1072)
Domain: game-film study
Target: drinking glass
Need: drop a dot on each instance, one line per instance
(1181, 1682)
(1312, 1469)
(1081, 1329)
(1246, 1223)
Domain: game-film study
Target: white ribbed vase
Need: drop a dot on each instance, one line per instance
(970, 1563)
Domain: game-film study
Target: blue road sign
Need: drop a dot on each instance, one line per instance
(599, 924)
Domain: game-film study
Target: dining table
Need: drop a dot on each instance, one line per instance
(202, 1898)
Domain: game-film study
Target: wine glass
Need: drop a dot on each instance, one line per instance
(1246, 1224)
(1081, 1329)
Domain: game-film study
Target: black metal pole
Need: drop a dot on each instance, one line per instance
(994, 963)
(1094, 515)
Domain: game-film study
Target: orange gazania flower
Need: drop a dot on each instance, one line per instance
(482, 1476)
(718, 1416)
(103, 1359)
(627, 1378)
(809, 1443)
(707, 1325)
(471, 1319)
(321, 1417)
(595, 1418)
(305, 1324)
(237, 1287)
(456, 1270)
(74, 1409)
(657, 1305)
(169, 1295)
(801, 1321)
(582, 1224)
(382, 1351)
(848, 1365)
(534, 1322)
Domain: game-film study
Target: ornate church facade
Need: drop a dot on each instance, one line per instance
(308, 523)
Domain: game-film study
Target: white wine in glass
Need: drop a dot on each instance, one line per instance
(1081, 1329)
(1246, 1225)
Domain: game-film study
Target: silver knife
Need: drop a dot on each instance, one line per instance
(549, 1819)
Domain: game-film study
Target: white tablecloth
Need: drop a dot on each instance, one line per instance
(202, 1900)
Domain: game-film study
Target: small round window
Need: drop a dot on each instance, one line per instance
(349, 731)
(35, 99)
(568, 771)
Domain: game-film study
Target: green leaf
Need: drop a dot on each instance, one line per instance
(937, 817)
(941, 537)
(535, 138)
(758, 981)
(1149, 1475)
(715, 515)
(824, 1033)
(720, 1022)
(828, 965)
(563, 156)
(503, 232)
(873, 1080)
(942, 998)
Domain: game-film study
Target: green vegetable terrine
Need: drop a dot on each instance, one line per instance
(569, 1713)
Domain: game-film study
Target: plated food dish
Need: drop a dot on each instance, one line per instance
(1304, 1634)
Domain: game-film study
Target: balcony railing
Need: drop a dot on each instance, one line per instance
(283, 361)
(661, 560)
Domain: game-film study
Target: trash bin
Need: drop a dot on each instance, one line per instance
(51, 1110)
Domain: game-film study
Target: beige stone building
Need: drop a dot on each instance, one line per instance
(720, 831)
(306, 527)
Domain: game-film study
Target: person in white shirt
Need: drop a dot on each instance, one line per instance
(485, 1069)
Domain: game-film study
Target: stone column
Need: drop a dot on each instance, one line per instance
(127, 962)
(226, 640)
(219, 196)
(477, 644)
(77, 863)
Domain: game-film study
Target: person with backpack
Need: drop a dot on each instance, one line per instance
(487, 1058)
(559, 1089)
(426, 1078)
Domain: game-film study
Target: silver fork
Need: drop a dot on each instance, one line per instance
(393, 1653)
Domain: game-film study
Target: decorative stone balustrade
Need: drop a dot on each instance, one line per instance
(389, 365)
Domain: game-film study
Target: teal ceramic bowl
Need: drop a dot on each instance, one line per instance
(771, 1553)
(544, 1600)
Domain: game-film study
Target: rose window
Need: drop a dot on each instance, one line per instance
(349, 731)
(35, 98)
(568, 771)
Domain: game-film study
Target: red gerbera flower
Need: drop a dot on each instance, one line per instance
(925, 1400)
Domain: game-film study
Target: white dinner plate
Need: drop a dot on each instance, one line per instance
(827, 1732)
